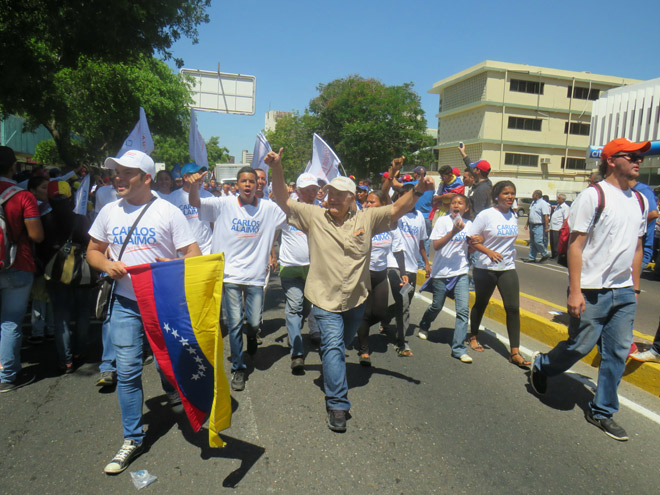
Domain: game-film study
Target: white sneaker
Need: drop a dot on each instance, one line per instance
(423, 334)
(649, 356)
(465, 358)
(128, 452)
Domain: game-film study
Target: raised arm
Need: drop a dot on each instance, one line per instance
(274, 161)
(405, 203)
(195, 180)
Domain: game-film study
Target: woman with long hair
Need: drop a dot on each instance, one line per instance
(496, 267)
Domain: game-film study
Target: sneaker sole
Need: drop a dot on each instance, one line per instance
(32, 378)
(423, 337)
(595, 422)
(531, 373)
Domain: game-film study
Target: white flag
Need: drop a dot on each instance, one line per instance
(139, 138)
(309, 165)
(196, 145)
(325, 164)
(81, 196)
(261, 149)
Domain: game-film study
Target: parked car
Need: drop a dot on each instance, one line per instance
(523, 206)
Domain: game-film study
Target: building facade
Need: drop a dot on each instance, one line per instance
(272, 116)
(246, 158)
(631, 112)
(531, 123)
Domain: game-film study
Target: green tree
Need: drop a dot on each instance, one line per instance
(50, 47)
(294, 133)
(173, 150)
(368, 123)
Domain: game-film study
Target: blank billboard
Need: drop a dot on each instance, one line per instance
(222, 92)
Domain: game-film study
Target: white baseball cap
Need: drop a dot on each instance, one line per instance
(306, 179)
(133, 159)
(341, 183)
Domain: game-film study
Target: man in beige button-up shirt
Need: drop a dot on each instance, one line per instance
(338, 283)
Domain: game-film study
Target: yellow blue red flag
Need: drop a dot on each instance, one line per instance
(179, 302)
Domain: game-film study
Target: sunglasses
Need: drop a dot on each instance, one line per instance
(631, 157)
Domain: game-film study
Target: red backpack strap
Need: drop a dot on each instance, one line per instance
(601, 202)
(640, 199)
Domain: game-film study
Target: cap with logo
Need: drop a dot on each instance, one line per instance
(305, 180)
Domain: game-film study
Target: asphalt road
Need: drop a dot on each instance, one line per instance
(549, 281)
(426, 424)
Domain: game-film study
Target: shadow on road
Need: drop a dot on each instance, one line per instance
(160, 419)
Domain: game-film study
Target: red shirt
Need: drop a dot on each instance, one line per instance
(20, 207)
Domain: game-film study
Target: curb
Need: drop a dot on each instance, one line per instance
(643, 375)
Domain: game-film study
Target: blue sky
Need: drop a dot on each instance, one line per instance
(292, 46)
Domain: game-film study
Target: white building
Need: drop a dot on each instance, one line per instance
(272, 116)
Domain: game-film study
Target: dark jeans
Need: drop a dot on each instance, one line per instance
(507, 283)
(375, 308)
(401, 307)
(554, 242)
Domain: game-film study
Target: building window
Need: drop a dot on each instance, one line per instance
(573, 163)
(584, 93)
(520, 159)
(577, 128)
(533, 87)
(525, 124)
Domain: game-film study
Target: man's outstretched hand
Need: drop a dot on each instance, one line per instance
(274, 160)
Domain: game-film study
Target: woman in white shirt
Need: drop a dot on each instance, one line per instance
(495, 267)
(382, 245)
(449, 273)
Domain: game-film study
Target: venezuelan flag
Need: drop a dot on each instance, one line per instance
(179, 302)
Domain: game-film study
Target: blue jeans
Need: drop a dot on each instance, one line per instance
(15, 288)
(70, 303)
(235, 310)
(462, 296)
(297, 307)
(536, 245)
(337, 332)
(607, 321)
(108, 357)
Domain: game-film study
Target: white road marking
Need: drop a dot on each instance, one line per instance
(638, 408)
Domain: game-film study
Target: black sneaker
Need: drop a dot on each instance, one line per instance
(297, 365)
(108, 379)
(174, 401)
(529, 260)
(128, 452)
(537, 379)
(252, 345)
(22, 379)
(544, 259)
(337, 421)
(609, 426)
(238, 380)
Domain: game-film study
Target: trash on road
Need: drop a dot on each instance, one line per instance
(142, 478)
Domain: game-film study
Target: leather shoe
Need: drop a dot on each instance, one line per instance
(337, 421)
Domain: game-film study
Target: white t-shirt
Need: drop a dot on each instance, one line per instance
(294, 250)
(105, 195)
(245, 234)
(608, 253)
(160, 233)
(382, 247)
(413, 230)
(452, 259)
(201, 230)
(500, 231)
(558, 216)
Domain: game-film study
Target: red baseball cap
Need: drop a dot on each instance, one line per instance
(455, 171)
(482, 165)
(622, 144)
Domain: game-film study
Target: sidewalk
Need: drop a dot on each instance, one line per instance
(548, 323)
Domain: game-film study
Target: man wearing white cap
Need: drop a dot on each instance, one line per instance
(294, 266)
(338, 282)
(161, 232)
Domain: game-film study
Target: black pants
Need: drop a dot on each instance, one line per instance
(507, 283)
(554, 242)
(375, 308)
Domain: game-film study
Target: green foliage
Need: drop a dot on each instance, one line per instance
(83, 68)
(173, 150)
(295, 134)
(368, 123)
